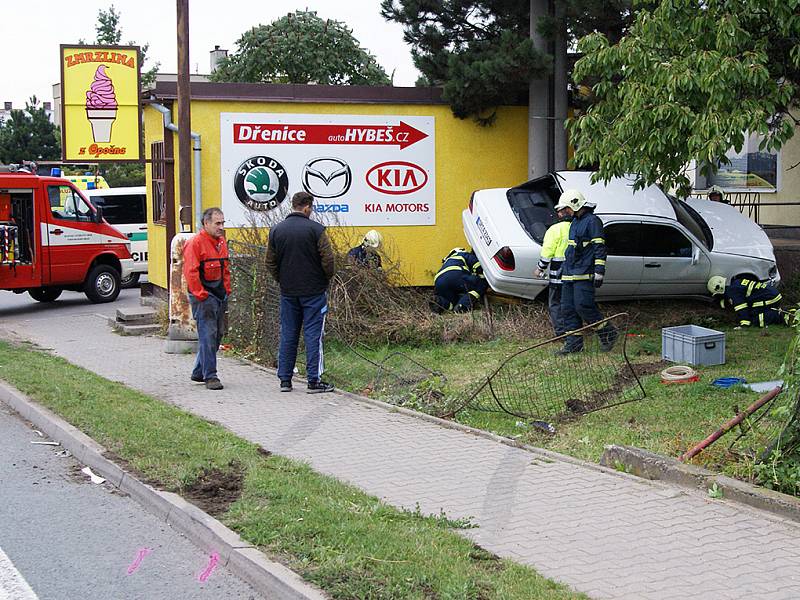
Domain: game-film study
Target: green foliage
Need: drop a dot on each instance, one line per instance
(123, 174)
(480, 51)
(29, 135)
(686, 82)
(301, 48)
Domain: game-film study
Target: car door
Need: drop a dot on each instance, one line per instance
(68, 232)
(674, 265)
(624, 263)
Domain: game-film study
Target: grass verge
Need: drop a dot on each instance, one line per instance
(350, 544)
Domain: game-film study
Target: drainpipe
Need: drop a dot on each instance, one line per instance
(198, 194)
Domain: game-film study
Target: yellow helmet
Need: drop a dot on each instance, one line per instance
(716, 285)
(373, 239)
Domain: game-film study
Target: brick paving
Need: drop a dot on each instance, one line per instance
(604, 533)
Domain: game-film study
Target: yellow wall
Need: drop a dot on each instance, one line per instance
(788, 188)
(468, 157)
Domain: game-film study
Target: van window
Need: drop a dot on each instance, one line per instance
(122, 209)
(66, 203)
(662, 240)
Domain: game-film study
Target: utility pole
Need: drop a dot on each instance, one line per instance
(184, 119)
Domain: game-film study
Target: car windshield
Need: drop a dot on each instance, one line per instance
(691, 219)
(532, 203)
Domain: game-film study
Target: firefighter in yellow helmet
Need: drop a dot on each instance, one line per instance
(366, 253)
(756, 303)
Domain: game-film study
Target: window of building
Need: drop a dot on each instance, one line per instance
(750, 169)
(158, 173)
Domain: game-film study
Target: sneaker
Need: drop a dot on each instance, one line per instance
(286, 385)
(607, 340)
(214, 384)
(565, 350)
(317, 387)
(197, 379)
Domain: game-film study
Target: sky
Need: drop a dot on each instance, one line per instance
(30, 63)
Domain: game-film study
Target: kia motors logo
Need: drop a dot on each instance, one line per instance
(261, 183)
(397, 177)
(327, 177)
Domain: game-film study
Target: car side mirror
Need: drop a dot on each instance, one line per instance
(695, 255)
(98, 214)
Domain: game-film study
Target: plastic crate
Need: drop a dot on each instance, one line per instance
(694, 345)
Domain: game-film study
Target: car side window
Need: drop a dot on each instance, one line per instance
(665, 241)
(623, 239)
(66, 203)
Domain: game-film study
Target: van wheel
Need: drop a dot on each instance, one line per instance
(45, 294)
(129, 281)
(102, 284)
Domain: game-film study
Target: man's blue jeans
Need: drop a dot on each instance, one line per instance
(209, 316)
(309, 313)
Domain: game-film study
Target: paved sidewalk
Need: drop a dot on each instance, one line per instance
(603, 533)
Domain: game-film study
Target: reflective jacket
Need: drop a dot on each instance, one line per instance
(460, 260)
(461, 273)
(206, 266)
(554, 247)
(752, 301)
(586, 248)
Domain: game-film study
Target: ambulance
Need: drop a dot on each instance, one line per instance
(52, 239)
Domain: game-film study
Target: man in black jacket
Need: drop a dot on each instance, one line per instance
(300, 259)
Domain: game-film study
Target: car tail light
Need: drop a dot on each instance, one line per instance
(505, 259)
(471, 201)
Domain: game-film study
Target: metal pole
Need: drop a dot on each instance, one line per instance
(184, 119)
(539, 101)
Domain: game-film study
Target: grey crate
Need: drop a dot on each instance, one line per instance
(694, 345)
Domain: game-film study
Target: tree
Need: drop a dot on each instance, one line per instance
(301, 48)
(688, 81)
(480, 51)
(29, 135)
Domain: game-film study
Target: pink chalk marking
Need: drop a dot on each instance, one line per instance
(212, 564)
(138, 561)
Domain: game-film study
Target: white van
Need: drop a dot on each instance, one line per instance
(126, 209)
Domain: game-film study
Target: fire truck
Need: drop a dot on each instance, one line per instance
(52, 239)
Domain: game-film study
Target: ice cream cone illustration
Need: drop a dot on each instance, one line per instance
(101, 106)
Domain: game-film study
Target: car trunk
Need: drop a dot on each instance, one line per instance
(532, 204)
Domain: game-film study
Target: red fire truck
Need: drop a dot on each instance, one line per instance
(52, 239)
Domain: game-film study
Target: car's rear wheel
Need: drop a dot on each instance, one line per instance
(102, 284)
(45, 294)
(129, 281)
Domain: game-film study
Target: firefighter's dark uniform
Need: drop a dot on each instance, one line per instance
(755, 303)
(459, 283)
(585, 257)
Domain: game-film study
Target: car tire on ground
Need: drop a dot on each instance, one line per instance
(45, 294)
(130, 281)
(102, 284)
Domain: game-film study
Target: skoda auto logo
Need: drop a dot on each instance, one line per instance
(261, 183)
(327, 177)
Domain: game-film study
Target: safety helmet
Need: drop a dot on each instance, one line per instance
(573, 199)
(373, 239)
(716, 285)
(715, 189)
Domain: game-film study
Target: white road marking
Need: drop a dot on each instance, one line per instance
(12, 584)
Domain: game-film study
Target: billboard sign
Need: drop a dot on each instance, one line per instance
(367, 170)
(100, 108)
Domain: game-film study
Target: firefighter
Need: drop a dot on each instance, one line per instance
(459, 284)
(583, 272)
(756, 303)
(554, 246)
(715, 194)
(366, 253)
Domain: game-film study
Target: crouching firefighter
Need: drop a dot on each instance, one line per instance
(554, 246)
(756, 303)
(459, 284)
(583, 272)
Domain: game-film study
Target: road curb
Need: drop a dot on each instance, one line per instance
(651, 466)
(269, 578)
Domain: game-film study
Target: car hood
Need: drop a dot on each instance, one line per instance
(733, 232)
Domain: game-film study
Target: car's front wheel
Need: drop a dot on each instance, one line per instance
(102, 284)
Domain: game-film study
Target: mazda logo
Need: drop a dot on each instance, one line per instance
(327, 177)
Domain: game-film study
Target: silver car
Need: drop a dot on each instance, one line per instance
(658, 246)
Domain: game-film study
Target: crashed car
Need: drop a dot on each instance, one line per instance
(658, 246)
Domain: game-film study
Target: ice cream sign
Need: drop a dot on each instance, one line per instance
(101, 114)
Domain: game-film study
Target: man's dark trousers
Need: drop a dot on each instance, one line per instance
(554, 306)
(210, 316)
(309, 313)
(578, 307)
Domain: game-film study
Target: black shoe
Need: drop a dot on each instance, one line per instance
(565, 350)
(317, 387)
(435, 307)
(607, 339)
(214, 384)
(286, 386)
(197, 379)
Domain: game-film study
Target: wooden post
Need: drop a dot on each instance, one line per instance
(184, 119)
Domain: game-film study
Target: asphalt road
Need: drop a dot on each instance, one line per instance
(63, 537)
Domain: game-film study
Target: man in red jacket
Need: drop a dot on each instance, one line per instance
(208, 276)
